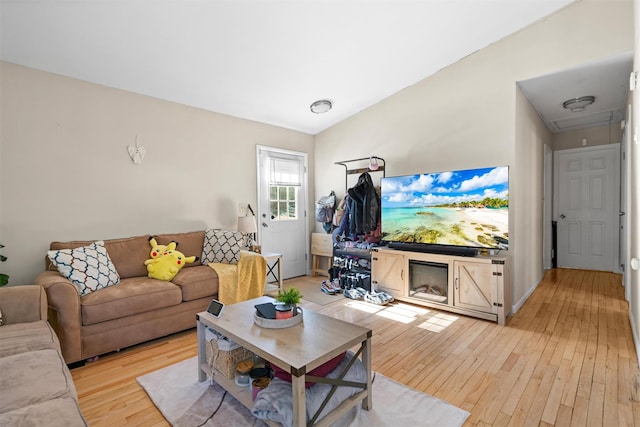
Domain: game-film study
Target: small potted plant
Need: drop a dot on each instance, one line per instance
(289, 300)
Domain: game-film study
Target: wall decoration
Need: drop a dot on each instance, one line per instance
(136, 153)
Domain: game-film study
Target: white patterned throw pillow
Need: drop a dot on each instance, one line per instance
(89, 267)
(221, 246)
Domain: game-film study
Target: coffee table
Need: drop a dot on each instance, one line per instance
(297, 349)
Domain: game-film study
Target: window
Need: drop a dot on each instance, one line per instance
(283, 202)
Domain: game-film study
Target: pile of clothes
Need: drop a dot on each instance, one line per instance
(359, 213)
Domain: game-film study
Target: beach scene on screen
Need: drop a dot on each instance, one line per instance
(461, 208)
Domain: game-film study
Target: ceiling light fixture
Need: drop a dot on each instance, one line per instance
(321, 106)
(578, 104)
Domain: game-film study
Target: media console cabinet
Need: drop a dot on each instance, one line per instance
(476, 286)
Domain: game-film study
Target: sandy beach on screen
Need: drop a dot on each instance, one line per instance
(475, 223)
(470, 227)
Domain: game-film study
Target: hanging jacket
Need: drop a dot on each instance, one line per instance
(343, 230)
(364, 206)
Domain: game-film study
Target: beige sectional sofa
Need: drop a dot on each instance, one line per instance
(36, 387)
(138, 308)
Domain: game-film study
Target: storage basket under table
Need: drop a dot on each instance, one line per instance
(226, 361)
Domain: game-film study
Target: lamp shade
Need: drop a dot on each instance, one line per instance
(247, 224)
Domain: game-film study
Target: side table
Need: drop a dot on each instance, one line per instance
(321, 247)
(274, 261)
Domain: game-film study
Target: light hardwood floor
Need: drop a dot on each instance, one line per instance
(565, 359)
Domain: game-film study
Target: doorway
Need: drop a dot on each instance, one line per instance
(587, 203)
(282, 201)
(547, 211)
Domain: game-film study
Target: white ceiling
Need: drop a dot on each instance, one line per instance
(259, 59)
(607, 80)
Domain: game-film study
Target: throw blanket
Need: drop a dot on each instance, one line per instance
(242, 281)
(275, 402)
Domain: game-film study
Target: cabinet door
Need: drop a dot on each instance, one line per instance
(388, 272)
(475, 286)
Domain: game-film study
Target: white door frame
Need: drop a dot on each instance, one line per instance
(547, 208)
(625, 202)
(304, 204)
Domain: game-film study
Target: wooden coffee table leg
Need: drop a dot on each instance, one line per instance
(299, 402)
(367, 403)
(201, 329)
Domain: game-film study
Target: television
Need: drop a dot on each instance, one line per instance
(457, 212)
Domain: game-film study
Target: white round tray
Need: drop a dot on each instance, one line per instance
(278, 323)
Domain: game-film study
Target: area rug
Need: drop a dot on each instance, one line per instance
(310, 289)
(185, 402)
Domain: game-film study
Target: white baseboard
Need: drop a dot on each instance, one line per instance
(634, 332)
(518, 304)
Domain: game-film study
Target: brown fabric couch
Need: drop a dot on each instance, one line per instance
(137, 309)
(36, 387)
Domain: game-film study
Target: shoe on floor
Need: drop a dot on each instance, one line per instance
(352, 293)
(378, 298)
(327, 288)
(383, 296)
(362, 292)
(374, 299)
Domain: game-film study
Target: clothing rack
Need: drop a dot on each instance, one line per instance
(359, 170)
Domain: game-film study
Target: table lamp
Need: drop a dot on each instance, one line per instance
(247, 226)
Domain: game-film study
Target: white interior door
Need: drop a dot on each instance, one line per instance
(282, 201)
(587, 196)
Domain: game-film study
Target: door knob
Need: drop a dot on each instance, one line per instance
(563, 216)
(264, 224)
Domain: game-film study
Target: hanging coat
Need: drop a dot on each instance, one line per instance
(364, 206)
(343, 231)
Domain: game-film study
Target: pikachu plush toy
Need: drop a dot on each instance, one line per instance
(166, 261)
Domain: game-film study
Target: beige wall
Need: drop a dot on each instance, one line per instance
(598, 135)
(65, 172)
(527, 198)
(465, 116)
